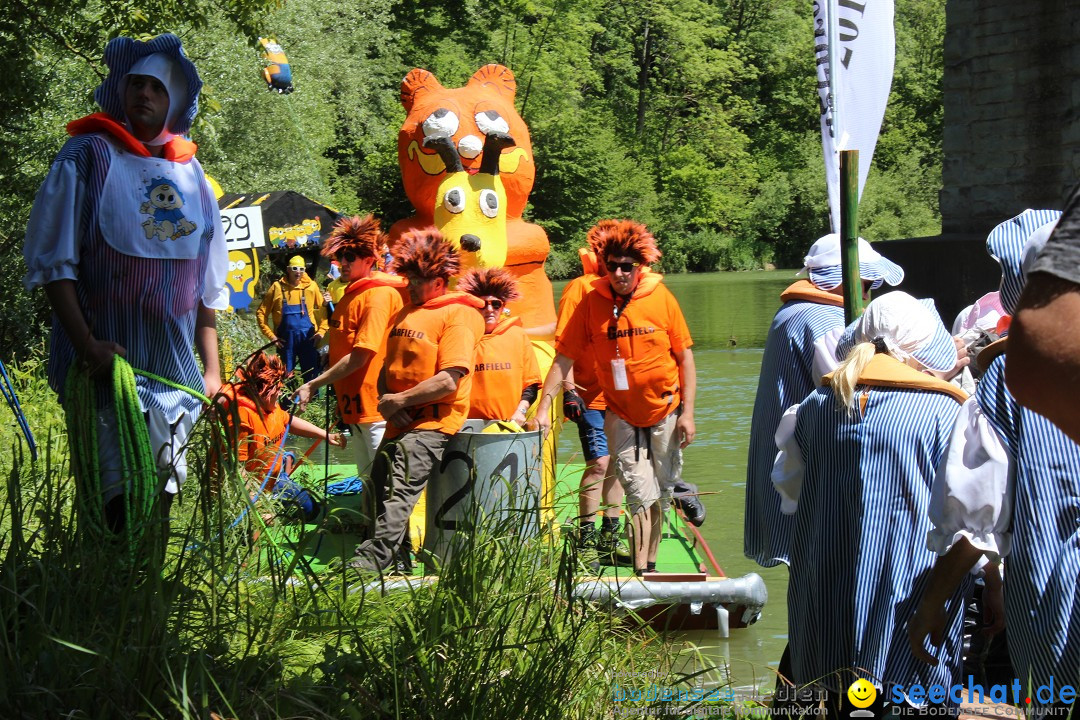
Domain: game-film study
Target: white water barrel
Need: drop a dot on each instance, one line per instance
(485, 478)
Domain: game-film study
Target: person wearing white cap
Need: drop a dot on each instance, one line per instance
(798, 352)
(1009, 489)
(854, 469)
(126, 239)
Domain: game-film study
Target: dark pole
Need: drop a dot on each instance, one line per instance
(849, 234)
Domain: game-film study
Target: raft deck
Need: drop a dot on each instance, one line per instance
(690, 593)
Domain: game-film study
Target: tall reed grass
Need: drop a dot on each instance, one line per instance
(239, 628)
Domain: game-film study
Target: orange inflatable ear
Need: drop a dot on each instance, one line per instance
(497, 77)
(418, 82)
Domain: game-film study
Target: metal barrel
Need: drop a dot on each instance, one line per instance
(488, 478)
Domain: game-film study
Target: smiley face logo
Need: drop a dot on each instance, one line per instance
(862, 693)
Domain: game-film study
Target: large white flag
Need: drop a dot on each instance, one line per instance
(855, 47)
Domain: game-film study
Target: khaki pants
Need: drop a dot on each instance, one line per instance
(648, 461)
(401, 471)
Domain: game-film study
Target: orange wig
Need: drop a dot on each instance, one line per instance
(426, 253)
(361, 235)
(627, 238)
(490, 282)
(262, 376)
(597, 235)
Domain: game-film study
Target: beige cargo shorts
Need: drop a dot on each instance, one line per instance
(648, 461)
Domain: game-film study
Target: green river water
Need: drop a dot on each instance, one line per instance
(729, 315)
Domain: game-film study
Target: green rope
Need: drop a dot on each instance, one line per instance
(190, 391)
(138, 469)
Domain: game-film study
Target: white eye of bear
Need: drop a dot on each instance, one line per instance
(489, 203)
(454, 200)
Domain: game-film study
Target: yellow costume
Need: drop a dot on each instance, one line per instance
(284, 293)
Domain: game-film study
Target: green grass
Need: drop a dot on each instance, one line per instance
(240, 629)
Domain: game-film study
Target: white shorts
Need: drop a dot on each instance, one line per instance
(168, 442)
(365, 439)
(648, 461)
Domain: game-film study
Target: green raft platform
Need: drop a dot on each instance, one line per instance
(691, 592)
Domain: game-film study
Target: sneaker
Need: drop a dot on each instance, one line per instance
(403, 564)
(612, 550)
(585, 543)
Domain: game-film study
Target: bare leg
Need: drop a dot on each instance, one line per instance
(592, 480)
(612, 492)
(655, 531)
(641, 531)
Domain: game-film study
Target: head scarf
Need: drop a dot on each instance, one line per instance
(824, 265)
(909, 328)
(1006, 243)
(163, 58)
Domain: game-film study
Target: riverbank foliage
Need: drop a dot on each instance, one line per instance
(235, 627)
(697, 117)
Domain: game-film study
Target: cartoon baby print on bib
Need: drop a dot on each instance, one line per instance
(152, 207)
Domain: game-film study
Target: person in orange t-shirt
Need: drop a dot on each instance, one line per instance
(587, 410)
(425, 383)
(260, 424)
(644, 365)
(505, 361)
(357, 334)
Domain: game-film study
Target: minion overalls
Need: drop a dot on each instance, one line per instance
(297, 331)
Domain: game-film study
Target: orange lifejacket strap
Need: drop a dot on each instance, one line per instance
(888, 372)
(806, 290)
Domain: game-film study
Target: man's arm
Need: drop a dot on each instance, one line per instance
(560, 366)
(96, 355)
(439, 385)
(1042, 361)
(929, 619)
(353, 362)
(260, 315)
(303, 428)
(688, 381)
(206, 343)
(321, 313)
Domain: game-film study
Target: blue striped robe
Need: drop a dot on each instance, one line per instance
(786, 379)
(859, 561)
(147, 305)
(1042, 597)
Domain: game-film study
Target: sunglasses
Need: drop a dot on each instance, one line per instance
(347, 256)
(495, 304)
(296, 269)
(626, 267)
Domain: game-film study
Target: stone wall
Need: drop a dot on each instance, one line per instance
(1012, 109)
(954, 270)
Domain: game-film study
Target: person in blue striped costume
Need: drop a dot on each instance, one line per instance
(855, 465)
(798, 352)
(1010, 489)
(1043, 364)
(126, 239)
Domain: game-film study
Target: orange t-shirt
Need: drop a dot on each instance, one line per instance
(438, 335)
(361, 319)
(505, 365)
(585, 364)
(649, 332)
(259, 433)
